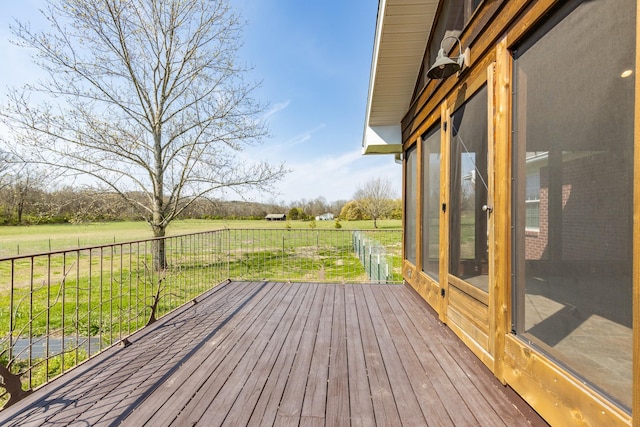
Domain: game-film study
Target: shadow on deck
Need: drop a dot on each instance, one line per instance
(264, 353)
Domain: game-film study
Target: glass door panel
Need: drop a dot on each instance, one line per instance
(468, 250)
(431, 202)
(410, 205)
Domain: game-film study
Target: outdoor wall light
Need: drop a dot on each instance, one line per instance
(445, 66)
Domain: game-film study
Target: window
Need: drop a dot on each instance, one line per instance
(573, 184)
(410, 206)
(468, 250)
(431, 202)
(532, 202)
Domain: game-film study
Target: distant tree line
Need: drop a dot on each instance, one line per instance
(24, 200)
(30, 196)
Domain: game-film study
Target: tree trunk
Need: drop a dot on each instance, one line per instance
(19, 210)
(158, 224)
(158, 248)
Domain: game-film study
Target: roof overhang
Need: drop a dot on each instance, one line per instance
(402, 33)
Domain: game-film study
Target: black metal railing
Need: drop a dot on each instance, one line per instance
(58, 309)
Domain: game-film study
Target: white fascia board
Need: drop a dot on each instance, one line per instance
(382, 4)
(382, 140)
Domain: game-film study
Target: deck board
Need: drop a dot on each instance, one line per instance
(265, 349)
(337, 411)
(285, 354)
(406, 400)
(267, 406)
(430, 402)
(460, 364)
(290, 409)
(313, 405)
(439, 386)
(384, 405)
(169, 400)
(216, 379)
(359, 388)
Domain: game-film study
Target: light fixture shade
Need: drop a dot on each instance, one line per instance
(444, 66)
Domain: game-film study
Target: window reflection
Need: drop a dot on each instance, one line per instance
(468, 252)
(410, 206)
(431, 202)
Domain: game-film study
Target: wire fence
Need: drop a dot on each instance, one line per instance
(58, 309)
(377, 262)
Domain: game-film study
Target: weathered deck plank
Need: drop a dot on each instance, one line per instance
(313, 405)
(266, 408)
(179, 389)
(337, 412)
(285, 354)
(430, 402)
(362, 414)
(439, 386)
(194, 341)
(384, 405)
(74, 394)
(464, 370)
(290, 409)
(216, 379)
(260, 366)
(405, 398)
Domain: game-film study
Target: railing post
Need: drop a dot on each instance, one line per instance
(370, 260)
(48, 317)
(11, 301)
(31, 273)
(228, 253)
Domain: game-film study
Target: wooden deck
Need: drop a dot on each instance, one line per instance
(282, 354)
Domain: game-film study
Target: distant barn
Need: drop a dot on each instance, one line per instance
(276, 217)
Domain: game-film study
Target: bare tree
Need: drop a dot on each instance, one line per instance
(375, 199)
(26, 189)
(6, 176)
(21, 189)
(144, 97)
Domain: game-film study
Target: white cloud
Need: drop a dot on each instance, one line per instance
(336, 177)
(276, 108)
(302, 137)
(278, 151)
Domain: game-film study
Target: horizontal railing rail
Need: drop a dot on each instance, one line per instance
(60, 308)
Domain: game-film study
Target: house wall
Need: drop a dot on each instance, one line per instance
(602, 230)
(484, 320)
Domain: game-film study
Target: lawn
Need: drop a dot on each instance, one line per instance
(22, 240)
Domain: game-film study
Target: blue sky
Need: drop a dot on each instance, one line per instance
(313, 59)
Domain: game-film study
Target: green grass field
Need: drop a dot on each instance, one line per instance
(22, 240)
